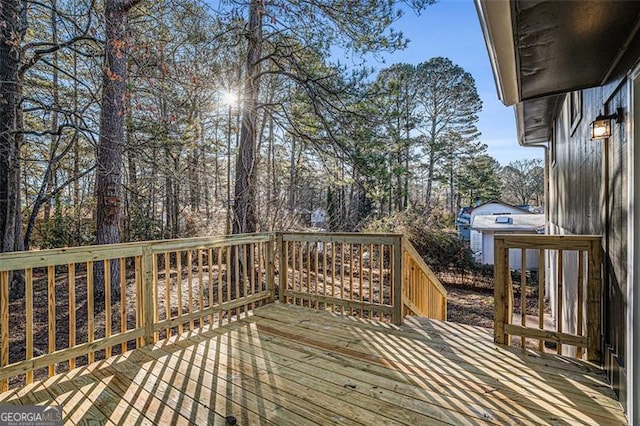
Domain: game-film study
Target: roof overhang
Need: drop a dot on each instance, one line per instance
(543, 49)
(495, 20)
(534, 118)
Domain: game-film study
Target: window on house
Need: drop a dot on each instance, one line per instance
(575, 109)
(504, 220)
(552, 145)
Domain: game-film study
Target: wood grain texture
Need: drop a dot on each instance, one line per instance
(51, 313)
(4, 325)
(501, 315)
(550, 335)
(594, 304)
(580, 302)
(64, 256)
(566, 248)
(29, 319)
(541, 290)
(123, 304)
(107, 304)
(552, 242)
(523, 294)
(288, 365)
(559, 296)
(421, 286)
(90, 310)
(398, 271)
(167, 289)
(149, 287)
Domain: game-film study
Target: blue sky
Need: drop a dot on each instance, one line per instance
(451, 29)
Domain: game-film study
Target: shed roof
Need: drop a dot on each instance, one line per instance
(519, 222)
(501, 203)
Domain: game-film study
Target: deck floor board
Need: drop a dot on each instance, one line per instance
(286, 365)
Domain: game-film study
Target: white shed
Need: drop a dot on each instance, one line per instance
(489, 225)
(490, 208)
(318, 218)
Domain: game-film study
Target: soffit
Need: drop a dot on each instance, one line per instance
(554, 47)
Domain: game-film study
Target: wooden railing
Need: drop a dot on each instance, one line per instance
(72, 306)
(422, 293)
(210, 280)
(58, 287)
(153, 290)
(345, 273)
(376, 276)
(575, 264)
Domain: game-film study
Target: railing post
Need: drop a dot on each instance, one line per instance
(502, 292)
(594, 304)
(271, 264)
(398, 268)
(443, 303)
(148, 311)
(4, 326)
(282, 269)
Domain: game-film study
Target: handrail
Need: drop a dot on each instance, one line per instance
(367, 275)
(423, 294)
(123, 296)
(163, 288)
(347, 273)
(555, 251)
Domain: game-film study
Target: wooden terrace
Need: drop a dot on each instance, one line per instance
(284, 364)
(272, 329)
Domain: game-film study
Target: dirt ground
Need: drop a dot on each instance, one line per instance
(471, 302)
(470, 305)
(470, 297)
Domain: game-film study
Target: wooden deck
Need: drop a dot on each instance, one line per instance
(288, 365)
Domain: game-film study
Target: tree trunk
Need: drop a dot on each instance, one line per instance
(78, 210)
(292, 176)
(12, 27)
(193, 171)
(217, 185)
(204, 168)
(168, 207)
(244, 218)
(132, 208)
(270, 174)
(451, 189)
(10, 93)
(51, 177)
(390, 187)
(399, 173)
(429, 188)
(111, 142)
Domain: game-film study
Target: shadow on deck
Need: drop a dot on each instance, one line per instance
(284, 364)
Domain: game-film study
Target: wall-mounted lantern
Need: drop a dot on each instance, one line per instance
(601, 127)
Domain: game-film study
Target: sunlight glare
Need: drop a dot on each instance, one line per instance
(229, 98)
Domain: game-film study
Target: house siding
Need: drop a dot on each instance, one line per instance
(588, 189)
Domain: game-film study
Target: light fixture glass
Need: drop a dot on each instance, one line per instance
(600, 128)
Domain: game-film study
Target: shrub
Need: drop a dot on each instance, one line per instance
(63, 231)
(440, 247)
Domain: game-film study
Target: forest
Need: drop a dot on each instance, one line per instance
(128, 120)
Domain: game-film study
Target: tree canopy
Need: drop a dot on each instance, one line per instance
(132, 120)
(523, 181)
